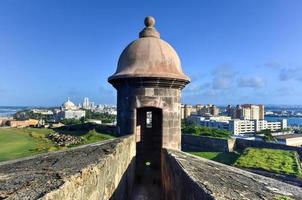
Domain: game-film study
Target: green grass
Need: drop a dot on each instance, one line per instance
(22, 142)
(17, 143)
(281, 197)
(227, 158)
(194, 129)
(90, 136)
(94, 136)
(272, 160)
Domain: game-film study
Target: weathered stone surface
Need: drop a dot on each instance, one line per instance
(189, 177)
(202, 143)
(97, 171)
(130, 98)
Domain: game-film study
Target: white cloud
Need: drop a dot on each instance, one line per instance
(251, 82)
(291, 74)
(223, 77)
(273, 64)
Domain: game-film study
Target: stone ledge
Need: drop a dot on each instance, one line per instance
(37, 176)
(223, 182)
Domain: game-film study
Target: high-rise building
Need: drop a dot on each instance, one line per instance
(86, 103)
(208, 110)
(202, 110)
(187, 110)
(246, 112)
(261, 112)
(92, 106)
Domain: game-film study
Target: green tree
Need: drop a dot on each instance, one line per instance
(104, 117)
(268, 137)
(189, 128)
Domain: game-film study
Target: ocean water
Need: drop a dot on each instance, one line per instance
(292, 121)
(6, 111)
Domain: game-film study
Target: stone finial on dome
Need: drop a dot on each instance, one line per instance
(149, 21)
(150, 30)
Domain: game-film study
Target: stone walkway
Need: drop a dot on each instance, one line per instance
(146, 192)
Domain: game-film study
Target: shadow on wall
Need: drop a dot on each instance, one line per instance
(177, 184)
(125, 186)
(204, 143)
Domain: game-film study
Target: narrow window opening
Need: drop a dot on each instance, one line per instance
(149, 119)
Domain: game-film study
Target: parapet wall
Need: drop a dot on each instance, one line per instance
(201, 143)
(98, 171)
(185, 176)
(241, 144)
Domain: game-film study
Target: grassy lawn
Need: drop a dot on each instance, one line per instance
(227, 158)
(272, 160)
(93, 136)
(17, 143)
(22, 142)
(281, 197)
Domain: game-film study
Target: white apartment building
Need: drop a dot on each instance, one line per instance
(238, 126)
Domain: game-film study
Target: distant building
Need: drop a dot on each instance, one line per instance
(220, 122)
(42, 111)
(72, 114)
(246, 112)
(290, 139)
(202, 110)
(91, 105)
(86, 103)
(197, 118)
(70, 111)
(209, 109)
(109, 109)
(186, 111)
(238, 126)
(23, 123)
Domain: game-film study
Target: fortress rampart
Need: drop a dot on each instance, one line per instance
(106, 170)
(97, 171)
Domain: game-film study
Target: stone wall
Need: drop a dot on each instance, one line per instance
(185, 176)
(102, 170)
(241, 144)
(165, 98)
(201, 143)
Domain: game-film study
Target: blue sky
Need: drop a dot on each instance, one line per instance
(236, 51)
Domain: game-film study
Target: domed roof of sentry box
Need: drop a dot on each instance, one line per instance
(149, 56)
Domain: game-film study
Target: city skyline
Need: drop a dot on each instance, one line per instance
(51, 50)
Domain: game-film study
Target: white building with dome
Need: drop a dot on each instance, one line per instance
(70, 111)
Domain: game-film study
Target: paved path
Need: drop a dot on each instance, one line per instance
(146, 192)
